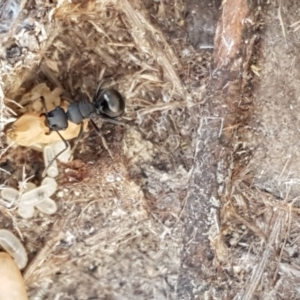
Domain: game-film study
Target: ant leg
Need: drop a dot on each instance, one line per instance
(79, 136)
(57, 155)
(109, 120)
(102, 137)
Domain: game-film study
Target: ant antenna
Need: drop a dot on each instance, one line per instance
(112, 121)
(79, 136)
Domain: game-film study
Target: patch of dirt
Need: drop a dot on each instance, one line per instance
(201, 19)
(273, 133)
(117, 232)
(258, 217)
(201, 190)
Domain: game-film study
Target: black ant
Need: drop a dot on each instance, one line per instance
(107, 103)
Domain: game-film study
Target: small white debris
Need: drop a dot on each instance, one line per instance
(60, 194)
(110, 178)
(237, 269)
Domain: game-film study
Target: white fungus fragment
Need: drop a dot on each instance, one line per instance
(48, 207)
(12, 245)
(48, 158)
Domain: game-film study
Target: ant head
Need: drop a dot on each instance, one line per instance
(56, 119)
(109, 103)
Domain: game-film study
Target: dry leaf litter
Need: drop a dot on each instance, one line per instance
(116, 233)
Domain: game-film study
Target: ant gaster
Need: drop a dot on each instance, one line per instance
(106, 103)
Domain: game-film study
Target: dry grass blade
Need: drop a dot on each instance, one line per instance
(250, 225)
(151, 40)
(259, 269)
(281, 20)
(38, 263)
(160, 107)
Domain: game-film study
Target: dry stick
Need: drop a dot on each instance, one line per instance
(294, 24)
(281, 21)
(296, 29)
(106, 238)
(14, 102)
(99, 29)
(279, 205)
(2, 170)
(283, 170)
(287, 235)
(160, 107)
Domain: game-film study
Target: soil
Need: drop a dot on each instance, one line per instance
(200, 197)
(273, 134)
